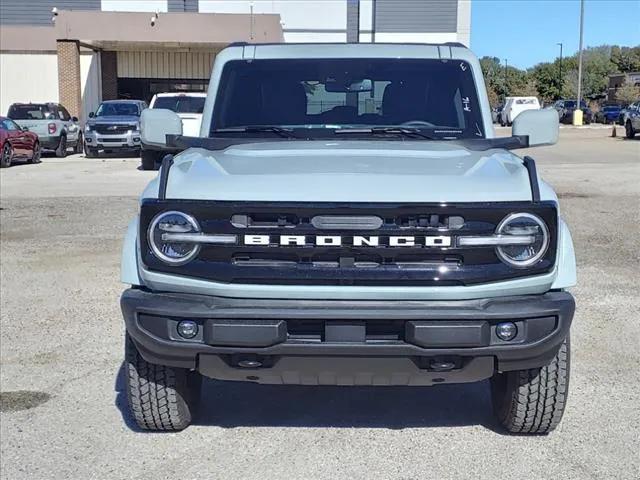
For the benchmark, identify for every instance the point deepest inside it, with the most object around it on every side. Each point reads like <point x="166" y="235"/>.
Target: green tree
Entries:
<point x="626" y="59"/>
<point x="627" y="93"/>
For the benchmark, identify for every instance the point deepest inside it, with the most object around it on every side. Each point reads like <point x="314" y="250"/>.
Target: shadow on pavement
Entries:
<point x="239" y="404"/>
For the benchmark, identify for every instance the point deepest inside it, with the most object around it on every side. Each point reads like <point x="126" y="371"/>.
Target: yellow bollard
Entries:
<point x="577" y="117"/>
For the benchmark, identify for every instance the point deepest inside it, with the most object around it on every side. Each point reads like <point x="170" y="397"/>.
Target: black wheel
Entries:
<point x="533" y="401"/>
<point x="7" y="156"/>
<point x="61" y="151"/>
<point x="149" y="159"/>
<point x="160" y="398"/>
<point x="90" y="152"/>
<point x="79" y="144"/>
<point x="35" y="157"/>
<point x="628" y="130"/>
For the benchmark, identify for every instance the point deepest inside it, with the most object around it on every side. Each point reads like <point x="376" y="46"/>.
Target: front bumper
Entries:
<point x="125" y="141"/>
<point x="347" y="342"/>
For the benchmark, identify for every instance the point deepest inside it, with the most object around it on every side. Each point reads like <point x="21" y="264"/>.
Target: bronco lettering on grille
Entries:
<point x="355" y="241"/>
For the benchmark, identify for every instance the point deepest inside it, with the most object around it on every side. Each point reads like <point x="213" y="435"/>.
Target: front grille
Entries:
<point x="382" y="265"/>
<point x="113" y="129"/>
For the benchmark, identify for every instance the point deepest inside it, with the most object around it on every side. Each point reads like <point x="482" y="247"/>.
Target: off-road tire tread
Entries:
<point x="160" y="397"/>
<point x="535" y="399"/>
<point x="149" y="159"/>
<point x="62" y="152"/>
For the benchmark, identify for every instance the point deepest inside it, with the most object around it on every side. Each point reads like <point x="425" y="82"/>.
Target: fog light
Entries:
<point x="506" y="331"/>
<point x="88" y="140"/>
<point x="136" y="139"/>
<point x="249" y="364"/>
<point x="187" y="329"/>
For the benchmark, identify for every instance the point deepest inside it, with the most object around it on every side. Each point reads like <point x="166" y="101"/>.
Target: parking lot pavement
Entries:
<point x="61" y="226"/>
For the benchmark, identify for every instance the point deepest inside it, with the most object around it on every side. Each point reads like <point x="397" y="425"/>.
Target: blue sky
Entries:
<point x="526" y="32"/>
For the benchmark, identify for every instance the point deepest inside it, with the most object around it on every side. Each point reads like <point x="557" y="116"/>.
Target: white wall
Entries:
<point x="90" y="78"/>
<point x="33" y="77"/>
<point x="303" y="20"/>
<point x="464" y="22"/>
<point x="27" y="77"/>
<point x="134" y="5"/>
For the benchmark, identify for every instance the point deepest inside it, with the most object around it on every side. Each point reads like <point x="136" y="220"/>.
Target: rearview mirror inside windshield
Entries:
<point x="348" y="86"/>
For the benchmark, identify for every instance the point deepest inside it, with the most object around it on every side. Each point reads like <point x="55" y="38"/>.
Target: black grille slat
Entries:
<point x="113" y="129"/>
<point x="347" y="265"/>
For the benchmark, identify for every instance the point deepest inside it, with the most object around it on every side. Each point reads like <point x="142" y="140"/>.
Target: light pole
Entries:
<point x="506" y="78"/>
<point x="577" y="113"/>
<point x="560" y="81"/>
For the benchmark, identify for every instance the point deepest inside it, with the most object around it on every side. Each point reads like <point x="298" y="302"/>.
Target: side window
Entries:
<point x="10" y="125"/>
<point x="63" y="114"/>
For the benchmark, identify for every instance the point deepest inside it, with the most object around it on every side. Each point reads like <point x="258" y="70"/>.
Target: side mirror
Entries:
<point x="541" y="126"/>
<point x="156" y="124"/>
<point x="25" y="129"/>
<point x="74" y="119"/>
<point x="91" y="114"/>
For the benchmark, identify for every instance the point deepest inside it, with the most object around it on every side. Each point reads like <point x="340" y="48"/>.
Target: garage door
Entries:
<point x="155" y="64"/>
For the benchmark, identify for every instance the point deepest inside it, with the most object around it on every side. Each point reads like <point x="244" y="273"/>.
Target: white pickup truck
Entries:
<point x="57" y="130"/>
<point x="347" y="216"/>
<point x="188" y="106"/>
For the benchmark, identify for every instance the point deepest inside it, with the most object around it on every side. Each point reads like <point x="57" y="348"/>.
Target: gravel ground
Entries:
<point x="63" y="405"/>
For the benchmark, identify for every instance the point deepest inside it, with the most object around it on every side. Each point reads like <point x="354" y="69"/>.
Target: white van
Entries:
<point x="514" y="106"/>
<point x="188" y="106"/>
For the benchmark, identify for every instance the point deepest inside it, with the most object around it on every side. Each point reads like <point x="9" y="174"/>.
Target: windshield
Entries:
<point x="572" y="104"/>
<point x="30" y="112"/>
<point x="330" y="94"/>
<point x="181" y="103"/>
<point x="115" y="109"/>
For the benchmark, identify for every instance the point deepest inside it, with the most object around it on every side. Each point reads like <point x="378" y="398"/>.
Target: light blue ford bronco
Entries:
<point x="347" y="216"/>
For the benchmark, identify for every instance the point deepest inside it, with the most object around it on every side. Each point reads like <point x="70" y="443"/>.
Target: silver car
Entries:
<point x="114" y="126"/>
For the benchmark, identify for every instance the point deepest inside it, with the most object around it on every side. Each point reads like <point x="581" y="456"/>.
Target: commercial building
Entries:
<point x="79" y="52"/>
<point x="618" y="80"/>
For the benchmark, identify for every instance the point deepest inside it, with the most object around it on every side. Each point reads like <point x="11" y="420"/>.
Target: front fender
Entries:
<point x="129" y="263"/>
<point x="566" y="275"/>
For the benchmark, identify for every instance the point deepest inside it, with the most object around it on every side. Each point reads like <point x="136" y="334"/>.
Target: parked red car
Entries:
<point x="17" y="144"/>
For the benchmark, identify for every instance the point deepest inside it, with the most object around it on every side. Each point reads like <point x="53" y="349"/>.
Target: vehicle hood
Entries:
<point x="111" y="119"/>
<point x="348" y="171"/>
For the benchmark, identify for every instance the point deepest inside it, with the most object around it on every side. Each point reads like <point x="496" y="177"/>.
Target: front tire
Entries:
<point x="79" y="144"/>
<point x="149" y="159"/>
<point x="533" y="401"/>
<point x="161" y="398"/>
<point x="90" y="152"/>
<point x="61" y="151"/>
<point x="628" y="130"/>
<point x="6" y="157"/>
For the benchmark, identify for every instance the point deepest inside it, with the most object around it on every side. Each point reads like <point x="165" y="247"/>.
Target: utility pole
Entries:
<point x="373" y="21"/>
<point x="251" y="26"/>
<point x="560" y="80"/>
<point x="577" y="115"/>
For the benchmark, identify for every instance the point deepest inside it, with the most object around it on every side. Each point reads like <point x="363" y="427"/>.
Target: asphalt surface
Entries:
<point x="64" y="411"/>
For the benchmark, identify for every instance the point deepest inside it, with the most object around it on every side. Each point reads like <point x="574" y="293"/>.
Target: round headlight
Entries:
<point x="164" y="237"/>
<point x="523" y="225"/>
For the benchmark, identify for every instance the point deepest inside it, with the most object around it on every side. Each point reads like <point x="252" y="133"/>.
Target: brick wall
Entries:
<point x="109" y="69"/>
<point x="69" y="85"/>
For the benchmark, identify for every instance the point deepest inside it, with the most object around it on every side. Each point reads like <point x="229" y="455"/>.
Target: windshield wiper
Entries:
<point x="404" y="131"/>
<point x="283" y="132"/>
